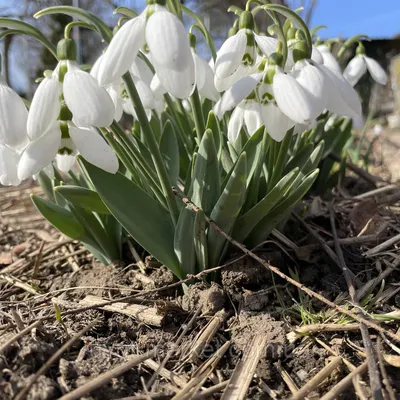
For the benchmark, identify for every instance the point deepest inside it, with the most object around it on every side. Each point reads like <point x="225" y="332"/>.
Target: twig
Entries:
<point x="317" y="379"/>
<point x="38" y="260"/>
<point x="383" y="246"/>
<point x="376" y="386"/>
<point x="285" y="277"/>
<point x="345" y="382"/>
<point x="106" y="377"/>
<point x="178" y="380"/>
<point x="54" y="358"/>
<point x="374" y="192"/>
<point x="299" y="332"/>
<point x="385" y="377"/>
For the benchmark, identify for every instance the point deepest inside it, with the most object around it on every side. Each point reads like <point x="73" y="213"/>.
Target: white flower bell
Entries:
<point x="359" y="65"/>
<point x="329" y="59"/>
<point x="239" y="53"/>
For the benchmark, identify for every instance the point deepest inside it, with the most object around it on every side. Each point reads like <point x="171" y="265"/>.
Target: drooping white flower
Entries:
<point x="302" y="93"/>
<point x="328" y="58"/>
<point x="247" y="114"/>
<point x="64" y="138"/>
<point x="122" y="50"/>
<point x="342" y="100"/>
<point x="239" y="53"/>
<point x="359" y="65"/>
<point x="45" y="105"/>
<point x="89" y="103"/>
<point x="13" y="117"/>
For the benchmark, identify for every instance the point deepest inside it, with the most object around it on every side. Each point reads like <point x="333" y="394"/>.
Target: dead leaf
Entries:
<point x="362" y="214"/>
<point x="6" y="258"/>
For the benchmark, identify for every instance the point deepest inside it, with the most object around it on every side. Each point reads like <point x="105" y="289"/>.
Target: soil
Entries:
<point x="246" y="301"/>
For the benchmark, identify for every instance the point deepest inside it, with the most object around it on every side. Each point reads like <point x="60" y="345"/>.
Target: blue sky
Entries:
<point x="345" y="18"/>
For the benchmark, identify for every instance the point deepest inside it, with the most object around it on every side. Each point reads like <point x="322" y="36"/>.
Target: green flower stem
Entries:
<point x="197" y="114"/>
<point x="280" y="153"/>
<point x="349" y="42"/>
<point x="83" y="24"/>
<point x="153" y="147"/>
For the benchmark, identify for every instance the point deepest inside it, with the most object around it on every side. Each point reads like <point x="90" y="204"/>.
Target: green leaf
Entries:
<point x="280" y="211"/>
<point x="59" y="217"/>
<point x="205" y="189"/>
<point x="200" y="240"/>
<point x="47" y="185"/>
<point x="148" y="222"/>
<point x="213" y="124"/>
<point x="170" y="152"/>
<point x="227" y="209"/>
<point x="184" y="241"/>
<point x="102" y="29"/>
<point x="82" y="197"/>
<point x="248" y="221"/>
<point x="127" y="12"/>
<point x="300" y="158"/>
<point x="29" y="30"/>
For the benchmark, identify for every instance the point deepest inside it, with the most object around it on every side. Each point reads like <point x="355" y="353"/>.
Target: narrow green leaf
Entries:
<point x="148" y="222"/>
<point x="300" y="158"/>
<point x="29" y="30"/>
<point x="213" y="124"/>
<point x="200" y="240"/>
<point x="248" y="221"/>
<point x="227" y="209"/>
<point x="46" y="184"/>
<point x="59" y="217"/>
<point x="206" y="186"/>
<point x="170" y="151"/>
<point x="184" y="241"/>
<point x="280" y="211"/>
<point x="82" y="197"/>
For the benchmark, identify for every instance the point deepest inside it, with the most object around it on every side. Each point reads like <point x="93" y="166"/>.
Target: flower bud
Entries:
<point x="192" y="40"/>
<point x="66" y="50"/>
<point x="360" y="49"/>
<point x="291" y="34"/>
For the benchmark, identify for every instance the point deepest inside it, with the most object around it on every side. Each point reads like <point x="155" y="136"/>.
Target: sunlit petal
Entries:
<point x="377" y="72"/>
<point x="355" y="69"/>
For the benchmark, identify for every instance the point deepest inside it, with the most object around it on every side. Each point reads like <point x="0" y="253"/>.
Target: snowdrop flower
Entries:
<point x="65" y="139"/>
<point x="9" y="159"/>
<point x="247" y="114"/>
<point x="329" y="59"/>
<point x="167" y="42"/>
<point x="302" y="93"/>
<point x="239" y="53"/>
<point x="359" y="65"/>
<point x="13" y="117"/>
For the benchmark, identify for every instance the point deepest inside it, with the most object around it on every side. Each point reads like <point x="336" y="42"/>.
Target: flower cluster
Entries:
<point x="240" y="134"/>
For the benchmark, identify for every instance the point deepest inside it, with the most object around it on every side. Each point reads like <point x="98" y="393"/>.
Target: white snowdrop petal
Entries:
<point x="343" y="99"/>
<point x="94" y="148"/>
<point x="40" y="153"/>
<point x="205" y="79"/>
<point x="178" y="83"/>
<point x="13" y="117"/>
<point x="115" y="93"/>
<point x="266" y="44"/>
<point x="230" y="55"/>
<point x="8" y="166"/>
<point x="96" y="67"/>
<point x="235" y="124"/>
<point x="145" y="94"/>
<point x="252" y="116"/>
<point x="45" y="107"/>
<point x="293" y="99"/>
<point x="239" y="91"/>
<point x="377" y="72"/>
<point x="157" y="88"/>
<point x="355" y="69"/>
<point x="140" y="69"/>
<point x="122" y="50"/>
<point x="167" y="40"/>
<point x="65" y="162"/>
<point x="275" y="121"/>
<point x="223" y="84"/>
<point x="316" y="56"/>
<point x="329" y="59"/>
<point x="89" y="103"/>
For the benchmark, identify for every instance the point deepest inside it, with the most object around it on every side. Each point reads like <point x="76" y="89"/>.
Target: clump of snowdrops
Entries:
<point x="241" y="135"/>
